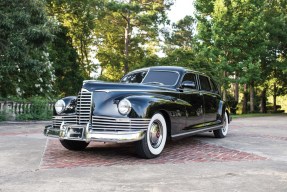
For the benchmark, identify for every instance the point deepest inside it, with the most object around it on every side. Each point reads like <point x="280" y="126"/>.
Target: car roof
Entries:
<point x="169" y="68"/>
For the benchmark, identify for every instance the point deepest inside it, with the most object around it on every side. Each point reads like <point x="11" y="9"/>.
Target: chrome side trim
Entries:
<point x="134" y="90"/>
<point x="193" y="132"/>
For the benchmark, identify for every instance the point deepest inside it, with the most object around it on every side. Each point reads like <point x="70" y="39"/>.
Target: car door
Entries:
<point x="211" y="100"/>
<point x="194" y="109"/>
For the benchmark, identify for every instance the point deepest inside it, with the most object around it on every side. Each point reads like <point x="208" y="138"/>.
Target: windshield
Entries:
<point x="136" y="77"/>
<point x="152" y="77"/>
<point x="161" y="78"/>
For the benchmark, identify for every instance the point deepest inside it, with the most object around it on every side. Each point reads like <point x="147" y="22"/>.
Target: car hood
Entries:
<point x="108" y="86"/>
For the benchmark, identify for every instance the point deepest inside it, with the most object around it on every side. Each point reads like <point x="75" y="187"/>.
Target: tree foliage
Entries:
<point x="68" y="78"/>
<point x="24" y="31"/>
<point x="244" y="38"/>
<point x="79" y="18"/>
<point x="127" y="33"/>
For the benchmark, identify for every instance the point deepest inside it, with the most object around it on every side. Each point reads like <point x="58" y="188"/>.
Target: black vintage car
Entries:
<point x="147" y="106"/>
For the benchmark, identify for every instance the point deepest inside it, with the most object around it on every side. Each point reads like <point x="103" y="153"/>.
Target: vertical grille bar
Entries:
<point x="84" y="106"/>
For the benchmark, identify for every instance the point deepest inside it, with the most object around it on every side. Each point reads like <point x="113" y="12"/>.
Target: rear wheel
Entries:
<point x="154" y="140"/>
<point x="221" y="133"/>
<point x="74" y="145"/>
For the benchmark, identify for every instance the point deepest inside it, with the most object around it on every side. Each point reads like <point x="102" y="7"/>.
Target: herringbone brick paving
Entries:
<point x="99" y="154"/>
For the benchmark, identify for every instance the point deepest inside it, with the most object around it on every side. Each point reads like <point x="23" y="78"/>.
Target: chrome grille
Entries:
<point x="83" y="109"/>
<point x="57" y="120"/>
<point x="101" y="123"/>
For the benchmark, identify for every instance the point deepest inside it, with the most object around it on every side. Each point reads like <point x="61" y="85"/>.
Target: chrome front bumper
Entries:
<point x="84" y="133"/>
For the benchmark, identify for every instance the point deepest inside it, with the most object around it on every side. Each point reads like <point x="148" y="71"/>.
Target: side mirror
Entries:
<point x="188" y="84"/>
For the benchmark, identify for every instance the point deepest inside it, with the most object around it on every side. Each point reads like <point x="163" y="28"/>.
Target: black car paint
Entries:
<point x="185" y="109"/>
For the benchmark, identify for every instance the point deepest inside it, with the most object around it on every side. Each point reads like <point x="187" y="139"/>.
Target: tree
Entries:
<point x="127" y="33"/>
<point x="68" y="79"/>
<point x="25" y="32"/>
<point x="79" y="18"/>
<point x="237" y="37"/>
<point x="274" y="62"/>
<point x="181" y="48"/>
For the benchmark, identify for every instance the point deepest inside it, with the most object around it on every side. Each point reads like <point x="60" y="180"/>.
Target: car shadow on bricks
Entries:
<point x="100" y="154"/>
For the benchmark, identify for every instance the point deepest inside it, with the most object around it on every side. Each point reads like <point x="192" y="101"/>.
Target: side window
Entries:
<point x="204" y="83"/>
<point x="214" y="86"/>
<point x="190" y="77"/>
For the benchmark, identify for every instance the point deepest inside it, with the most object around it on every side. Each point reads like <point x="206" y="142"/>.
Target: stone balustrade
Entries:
<point x="12" y="109"/>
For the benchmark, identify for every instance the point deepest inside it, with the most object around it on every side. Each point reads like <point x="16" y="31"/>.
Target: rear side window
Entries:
<point x="214" y="87"/>
<point x="190" y="77"/>
<point x="204" y="83"/>
<point x="134" y="77"/>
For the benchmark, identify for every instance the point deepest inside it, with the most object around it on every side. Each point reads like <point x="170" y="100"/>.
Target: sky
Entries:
<point x="180" y="9"/>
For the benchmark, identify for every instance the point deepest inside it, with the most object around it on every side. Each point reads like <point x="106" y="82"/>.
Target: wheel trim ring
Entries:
<point x="158" y="150"/>
<point x="225" y="125"/>
<point x="156" y="134"/>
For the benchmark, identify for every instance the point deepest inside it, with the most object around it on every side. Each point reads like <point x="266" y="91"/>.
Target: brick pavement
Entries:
<point x="99" y="154"/>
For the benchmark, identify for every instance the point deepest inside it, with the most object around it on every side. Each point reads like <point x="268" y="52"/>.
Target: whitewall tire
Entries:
<point x="221" y="133"/>
<point x="154" y="140"/>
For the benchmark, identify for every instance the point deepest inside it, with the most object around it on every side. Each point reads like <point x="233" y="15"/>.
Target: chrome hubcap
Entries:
<point x="156" y="134"/>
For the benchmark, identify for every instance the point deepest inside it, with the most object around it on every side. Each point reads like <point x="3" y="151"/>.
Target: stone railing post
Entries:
<point x="2" y="106"/>
<point x="9" y="111"/>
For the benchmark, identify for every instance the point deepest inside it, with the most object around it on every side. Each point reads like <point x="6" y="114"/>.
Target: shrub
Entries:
<point x="3" y="116"/>
<point x="39" y="110"/>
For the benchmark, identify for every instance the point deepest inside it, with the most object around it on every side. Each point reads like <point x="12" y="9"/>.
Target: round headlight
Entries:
<point x="124" y="106"/>
<point x="60" y="106"/>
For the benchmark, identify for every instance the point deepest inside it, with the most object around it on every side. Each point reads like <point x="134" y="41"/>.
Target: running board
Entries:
<point x="193" y="132"/>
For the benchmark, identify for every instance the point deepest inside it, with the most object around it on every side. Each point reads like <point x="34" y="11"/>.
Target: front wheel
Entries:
<point x="154" y="140"/>
<point x="74" y="145"/>
<point x="221" y="133"/>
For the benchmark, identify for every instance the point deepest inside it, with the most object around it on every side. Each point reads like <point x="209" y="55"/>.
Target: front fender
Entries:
<point x="146" y="106"/>
<point x="143" y="105"/>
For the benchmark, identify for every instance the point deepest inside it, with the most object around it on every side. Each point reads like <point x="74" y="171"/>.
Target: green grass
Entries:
<point x="258" y="115"/>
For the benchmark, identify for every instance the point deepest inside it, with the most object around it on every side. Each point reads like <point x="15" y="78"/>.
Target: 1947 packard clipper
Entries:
<point x="147" y="106"/>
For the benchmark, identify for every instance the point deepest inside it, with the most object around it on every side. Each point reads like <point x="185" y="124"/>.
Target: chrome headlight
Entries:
<point x="124" y="106"/>
<point x="60" y="106"/>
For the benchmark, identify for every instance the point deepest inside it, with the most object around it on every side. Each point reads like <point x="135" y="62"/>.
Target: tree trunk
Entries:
<point x="236" y="92"/>
<point x="88" y="66"/>
<point x="224" y="94"/>
<point x="251" y="97"/>
<point x="274" y="98"/>
<point x="263" y="101"/>
<point x="224" y="90"/>
<point x="127" y="43"/>
<point x="244" y="103"/>
<point x="236" y="89"/>
<point x="82" y="54"/>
